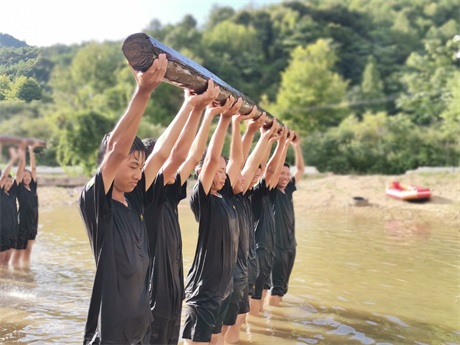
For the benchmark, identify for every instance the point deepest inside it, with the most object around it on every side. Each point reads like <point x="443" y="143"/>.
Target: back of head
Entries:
<point x="149" y="144"/>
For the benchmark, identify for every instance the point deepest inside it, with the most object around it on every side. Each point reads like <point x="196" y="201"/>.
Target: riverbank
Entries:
<point x="331" y="193"/>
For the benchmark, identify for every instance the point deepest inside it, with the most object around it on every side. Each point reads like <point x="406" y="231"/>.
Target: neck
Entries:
<point x="119" y="196"/>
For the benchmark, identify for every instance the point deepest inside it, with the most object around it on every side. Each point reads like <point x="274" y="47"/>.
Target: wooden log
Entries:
<point x="141" y="50"/>
<point x="16" y="140"/>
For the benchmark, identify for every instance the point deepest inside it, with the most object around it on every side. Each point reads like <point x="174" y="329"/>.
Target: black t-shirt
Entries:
<point x="211" y="274"/>
<point x="284" y="218"/>
<point x="28" y="208"/>
<point x="119" y="241"/>
<point x="247" y="199"/>
<point x="243" y="209"/>
<point x="264" y="221"/>
<point x="162" y="222"/>
<point x="9" y="212"/>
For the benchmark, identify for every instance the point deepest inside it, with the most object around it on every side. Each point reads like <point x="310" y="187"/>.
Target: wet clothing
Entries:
<point x="285" y="243"/>
<point x="9" y="220"/>
<point x="28" y="213"/>
<point x="253" y="261"/>
<point x="240" y="273"/>
<point x="119" y="241"/>
<point x="210" y="279"/>
<point x="264" y="224"/>
<point x="165" y="241"/>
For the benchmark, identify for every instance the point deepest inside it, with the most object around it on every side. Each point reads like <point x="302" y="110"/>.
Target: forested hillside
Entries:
<point x="372" y="86"/>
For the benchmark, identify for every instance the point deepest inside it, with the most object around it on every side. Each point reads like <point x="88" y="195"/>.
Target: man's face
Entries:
<point x="220" y="176"/>
<point x="130" y="172"/>
<point x="8" y="184"/>
<point x="27" y="178"/>
<point x="284" y="178"/>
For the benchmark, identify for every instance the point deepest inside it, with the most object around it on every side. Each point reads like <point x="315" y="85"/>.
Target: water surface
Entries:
<point x="355" y="281"/>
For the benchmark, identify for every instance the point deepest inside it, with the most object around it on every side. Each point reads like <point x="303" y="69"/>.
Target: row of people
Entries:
<point x="18" y="209"/>
<point x="130" y="209"/>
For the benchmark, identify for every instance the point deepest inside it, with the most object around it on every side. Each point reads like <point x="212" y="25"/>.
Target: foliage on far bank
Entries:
<point x="372" y="86"/>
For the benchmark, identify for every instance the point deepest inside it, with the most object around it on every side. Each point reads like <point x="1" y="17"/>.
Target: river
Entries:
<point x="355" y="281"/>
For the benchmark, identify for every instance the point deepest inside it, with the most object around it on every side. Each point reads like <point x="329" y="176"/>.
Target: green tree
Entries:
<point x="311" y="92"/>
<point x="5" y="86"/>
<point x="25" y="89"/>
<point x="78" y="146"/>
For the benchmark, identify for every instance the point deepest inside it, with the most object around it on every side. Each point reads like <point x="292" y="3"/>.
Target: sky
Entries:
<point x="47" y="22"/>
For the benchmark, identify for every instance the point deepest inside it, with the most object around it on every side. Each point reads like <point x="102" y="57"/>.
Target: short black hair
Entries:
<point x="137" y="145"/>
<point x="286" y="165"/>
<point x="149" y="144"/>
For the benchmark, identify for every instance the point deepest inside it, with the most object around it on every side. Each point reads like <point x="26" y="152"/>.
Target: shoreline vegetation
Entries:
<point x="326" y="192"/>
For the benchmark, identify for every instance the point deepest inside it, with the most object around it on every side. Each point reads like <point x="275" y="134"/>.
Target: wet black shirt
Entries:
<point x="9" y="212"/>
<point x="28" y="208"/>
<point x="243" y="209"/>
<point x="162" y="221"/>
<point x="211" y="273"/>
<point x="247" y="199"/>
<point x="264" y="221"/>
<point x="284" y="218"/>
<point x="119" y="241"/>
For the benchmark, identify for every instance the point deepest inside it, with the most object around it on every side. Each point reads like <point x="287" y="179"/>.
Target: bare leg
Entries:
<point x="15" y="258"/>
<point x="262" y="303"/>
<point x="254" y="307"/>
<point x="189" y="342"/>
<point x="274" y="300"/>
<point x="217" y="339"/>
<point x="232" y="334"/>
<point x="3" y="261"/>
<point x="6" y="257"/>
<point x="26" y="254"/>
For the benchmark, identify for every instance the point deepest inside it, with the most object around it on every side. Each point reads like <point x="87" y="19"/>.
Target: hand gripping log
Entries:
<point x="141" y="50"/>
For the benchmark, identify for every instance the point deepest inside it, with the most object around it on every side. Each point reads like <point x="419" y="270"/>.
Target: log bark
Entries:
<point x="16" y="140"/>
<point x="141" y="50"/>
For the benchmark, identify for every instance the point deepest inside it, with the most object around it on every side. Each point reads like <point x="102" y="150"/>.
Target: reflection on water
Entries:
<point x="355" y="281"/>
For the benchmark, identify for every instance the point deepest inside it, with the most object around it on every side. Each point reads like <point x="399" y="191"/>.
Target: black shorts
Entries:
<point x="204" y="318"/>
<point x="281" y="271"/>
<point x="21" y="242"/>
<point x="164" y="331"/>
<point x="265" y="266"/>
<point x="238" y="301"/>
<point x="253" y="265"/>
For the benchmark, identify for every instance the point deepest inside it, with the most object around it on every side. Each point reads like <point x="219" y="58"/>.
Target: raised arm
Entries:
<point x="236" y="158"/>
<point x="33" y="166"/>
<point x="121" y="138"/>
<point x="22" y="164"/>
<point x="182" y="146"/>
<point x="299" y="162"/>
<point x="272" y="165"/>
<point x="199" y="143"/>
<point x="282" y="158"/>
<point x="251" y="129"/>
<point x="213" y="154"/>
<point x="257" y="155"/>
<point x="13" y="158"/>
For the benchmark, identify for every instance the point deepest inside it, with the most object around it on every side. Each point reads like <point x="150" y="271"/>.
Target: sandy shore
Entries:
<point x="334" y="193"/>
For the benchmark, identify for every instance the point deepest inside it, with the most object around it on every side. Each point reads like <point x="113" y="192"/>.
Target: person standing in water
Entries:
<point x="209" y="281"/>
<point x="28" y="213"/>
<point x="9" y="191"/>
<point x="112" y="207"/>
<point x="162" y="218"/>
<point x="285" y="243"/>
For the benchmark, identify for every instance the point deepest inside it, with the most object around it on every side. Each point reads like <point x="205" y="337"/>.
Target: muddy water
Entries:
<point x="355" y="281"/>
